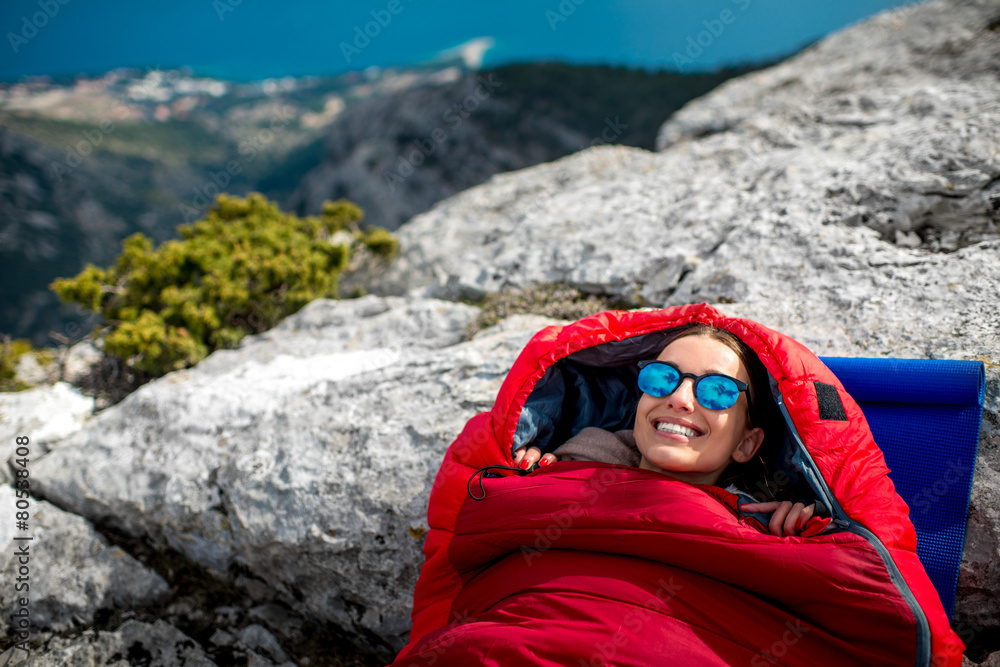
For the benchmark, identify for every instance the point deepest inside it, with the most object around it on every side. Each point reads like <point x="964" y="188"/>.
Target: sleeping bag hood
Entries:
<point x="587" y="563"/>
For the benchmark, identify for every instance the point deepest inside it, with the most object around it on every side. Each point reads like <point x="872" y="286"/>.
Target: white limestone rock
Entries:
<point x="299" y="465"/>
<point x="44" y="415"/>
<point x="32" y="373"/>
<point x="79" y="361"/>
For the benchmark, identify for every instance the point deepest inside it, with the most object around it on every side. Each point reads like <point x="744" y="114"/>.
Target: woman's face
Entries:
<point x="679" y="437"/>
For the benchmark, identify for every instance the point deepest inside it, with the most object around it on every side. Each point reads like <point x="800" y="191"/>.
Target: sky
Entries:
<point x="259" y="39"/>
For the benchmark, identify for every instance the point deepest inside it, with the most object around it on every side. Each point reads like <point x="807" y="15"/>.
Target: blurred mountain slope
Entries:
<point x="86" y="162"/>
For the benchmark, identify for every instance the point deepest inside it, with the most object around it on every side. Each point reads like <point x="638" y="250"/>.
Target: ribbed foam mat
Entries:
<point x="925" y="416"/>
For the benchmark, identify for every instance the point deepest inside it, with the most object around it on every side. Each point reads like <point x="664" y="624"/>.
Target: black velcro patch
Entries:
<point x="830" y="407"/>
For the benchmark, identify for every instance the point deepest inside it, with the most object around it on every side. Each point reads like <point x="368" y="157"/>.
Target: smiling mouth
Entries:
<point x="670" y="427"/>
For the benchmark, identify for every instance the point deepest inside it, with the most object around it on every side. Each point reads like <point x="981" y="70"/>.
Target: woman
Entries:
<point x="591" y="563"/>
<point x="678" y="435"/>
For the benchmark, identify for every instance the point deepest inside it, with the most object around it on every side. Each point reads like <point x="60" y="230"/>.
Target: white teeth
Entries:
<point x="667" y="427"/>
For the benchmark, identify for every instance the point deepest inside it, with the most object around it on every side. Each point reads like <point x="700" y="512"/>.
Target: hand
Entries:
<point x="528" y="456"/>
<point x="787" y="520"/>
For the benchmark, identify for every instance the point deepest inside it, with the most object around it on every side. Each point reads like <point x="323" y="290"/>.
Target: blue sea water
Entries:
<point x="257" y="39"/>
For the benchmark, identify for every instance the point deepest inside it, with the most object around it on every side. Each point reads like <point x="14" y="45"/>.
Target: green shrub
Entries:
<point x="381" y="242"/>
<point x="10" y="351"/>
<point x="238" y="271"/>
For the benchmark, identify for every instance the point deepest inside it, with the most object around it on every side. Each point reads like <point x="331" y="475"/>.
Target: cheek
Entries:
<point x="732" y="427"/>
<point x="739" y="421"/>
<point x="646" y="403"/>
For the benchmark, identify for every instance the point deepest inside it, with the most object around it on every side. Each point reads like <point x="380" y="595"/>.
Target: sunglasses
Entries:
<point x="713" y="390"/>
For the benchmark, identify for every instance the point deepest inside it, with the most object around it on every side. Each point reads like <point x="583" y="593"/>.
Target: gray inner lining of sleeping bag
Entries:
<point x="592" y="387"/>
<point x="596" y="386"/>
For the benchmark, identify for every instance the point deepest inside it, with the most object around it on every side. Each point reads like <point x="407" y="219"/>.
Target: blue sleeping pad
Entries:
<point x="925" y="416"/>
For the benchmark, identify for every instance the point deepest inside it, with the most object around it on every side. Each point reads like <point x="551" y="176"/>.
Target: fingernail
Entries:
<point x="524" y="463"/>
<point x="543" y="462"/>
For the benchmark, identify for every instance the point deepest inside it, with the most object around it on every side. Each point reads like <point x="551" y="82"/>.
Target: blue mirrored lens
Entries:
<point x="717" y="393"/>
<point x="659" y="380"/>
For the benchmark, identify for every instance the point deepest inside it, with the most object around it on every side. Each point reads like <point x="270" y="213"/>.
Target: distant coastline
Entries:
<point x="260" y="41"/>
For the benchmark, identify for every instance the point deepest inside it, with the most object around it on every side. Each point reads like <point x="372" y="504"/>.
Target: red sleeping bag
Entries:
<point x="585" y="563"/>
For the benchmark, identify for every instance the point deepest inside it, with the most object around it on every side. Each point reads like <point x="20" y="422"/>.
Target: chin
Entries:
<point x="660" y="465"/>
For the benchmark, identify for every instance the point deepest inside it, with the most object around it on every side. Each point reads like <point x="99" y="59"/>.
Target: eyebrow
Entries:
<point x="709" y="372"/>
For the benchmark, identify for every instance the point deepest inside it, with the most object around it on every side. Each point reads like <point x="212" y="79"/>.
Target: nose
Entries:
<point x="682" y="399"/>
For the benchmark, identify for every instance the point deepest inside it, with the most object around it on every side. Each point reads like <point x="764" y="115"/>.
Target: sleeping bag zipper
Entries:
<point x="807" y="466"/>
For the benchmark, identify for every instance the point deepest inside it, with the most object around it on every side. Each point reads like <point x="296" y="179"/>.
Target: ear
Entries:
<point x="749" y="445"/>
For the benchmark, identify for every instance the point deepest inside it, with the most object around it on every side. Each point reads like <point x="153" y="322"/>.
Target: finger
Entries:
<point x="802" y="515"/>
<point x="778" y="518"/>
<point x="769" y="506"/>
<point x="531" y="456"/>
<point x="806" y="515"/>
<point x="547" y="459"/>
<point x="791" y="525"/>
<point x="524" y="452"/>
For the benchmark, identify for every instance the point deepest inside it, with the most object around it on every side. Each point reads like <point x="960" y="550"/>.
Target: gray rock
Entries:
<point x="258" y="639"/>
<point x="45" y="414"/>
<point x="978" y="597"/>
<point x="72" y="572"/>
<point x="306" y="476"/>
<point x="32" y="373"/>
<point x="357" y="324"/>
<point x="552" y="223"/>
<point x="79" y="361"/>
<point x="254" y="644"/>
<point x="222" y="638"/>
<point x="992" y="660"/>
<point x="133" y="643"/>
